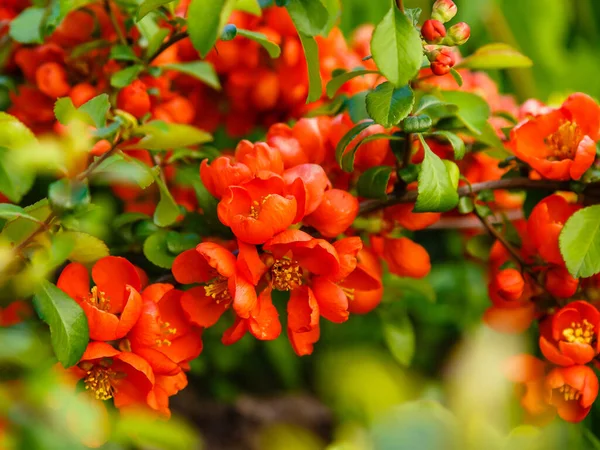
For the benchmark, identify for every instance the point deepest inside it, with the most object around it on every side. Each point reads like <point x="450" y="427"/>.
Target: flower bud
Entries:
<point x="560" y="283"/>
<point x="509" y="284"/>
<point x="443" y="10"/>
<point x="439" y="68"/>
<point x="458" y="34"/>
<point x="433" y="31"/>
<point x="442" y="60"/>
<point x="134" y="99"/>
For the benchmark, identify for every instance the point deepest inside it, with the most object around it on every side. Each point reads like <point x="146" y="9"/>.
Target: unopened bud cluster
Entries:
<point x="439" y="38"/>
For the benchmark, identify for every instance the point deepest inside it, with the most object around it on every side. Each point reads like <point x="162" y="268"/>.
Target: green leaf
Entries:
<point x="126" y="76"/>
<point x="26" y="28"/>
<point x="479" y="246"/>
<point x="159" y="135"/>
<point x="65" y="112"/>
<point x="87" y="248"/>
<point x="340" y="150"/>
<point x="10" y="212"/>
<point x="97" y="109"/>
<point x="405" y="289"/>
<point x="457" y="77"/>
<point x="68" y="325"/>
<point x="57" y="11"/>
<point x="148" y="6"/>
<point x="473" y="111"/>
<point x="495" y="56"/>
<point x="271" y="47"/>
<point x="123" y="53"/>
<point x="156" y="250"/>
<point x="309" y="16"/>
<point x="167" y="211"/>
<point x="374" y="181"/>
<point x="201" y="70"/>
<point x="18" y="230"/>
<point x="117" y="169"/>
<point x="435" y="190"/>
<point x="14" y="182"/>
<point x="68" y="195"/>
<point x="580" y="242"/>
<point x="357" y="107"/>
<point x="396" y="48"/>
<point x="435" y="108"/>
<point x="338" y="81"/>
<point x="129" y="218"/>
<point x="156" y="41"/>
<point x="417" y="124"/>
<point x="249" y="6"/>
<point x="457" y="143"/>
<point x="399" y="336"/>
<point x="387" y="105"/>
<point x="206" y="19"/>
<point x="13" y="133"/>
<point x="180" y="242"/>
<point x="311" y="53"/>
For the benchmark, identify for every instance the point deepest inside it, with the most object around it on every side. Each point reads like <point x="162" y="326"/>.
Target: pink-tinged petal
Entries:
<point x="585" y="112"/>
<point x="314" y="180"/>
<point x="584" y="157"/>
<point x="347" y="249"/>
<point x="154" y="292"/>
<point x="317" y="255"/>
<point x="297" y="189"/>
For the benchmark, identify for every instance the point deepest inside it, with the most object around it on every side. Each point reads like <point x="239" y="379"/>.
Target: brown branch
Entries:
<point x="165" y="45"/>
<point x="94" y="165"/>
<point x="500" y="237"/>
<point x="368" y="206"/>
<point x="400" y="5"/>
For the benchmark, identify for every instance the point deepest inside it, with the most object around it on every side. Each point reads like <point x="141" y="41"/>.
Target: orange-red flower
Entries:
<point x="570" y="336"/>
<point x="406" y="218"/>
<point x="572" y="390"/>
<point x="259" y="156"/>
<point x="404" y="257"/>
<point x="561" y="144"/>
<point x="308" y="183"/>
<point x="114" y="304"/>
<point x="165" y="386"/>
<point x="163" y="335"/>
<point x="545" y="224"/>
<point x="560" y="283"/>
<point x="366" y="300"/>
<point x="258" y="210"/>
<point x="303" y="320"/>
<point x="528" y="371"/>
<point x="110" y="373"/>
<point x="222" y="173"/>
<point x="510" y="320"/>
<point x="303" y="143"/>
<point x="335" y="213"/>
<point x="215" y="267"/>
<point x="15" y="313"/>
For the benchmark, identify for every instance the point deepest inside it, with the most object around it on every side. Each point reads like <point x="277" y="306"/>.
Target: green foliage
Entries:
<point x="201" y="70"/>
<point x="67" y="322"/>
<point x="436" y="189"/>
<point x="346" y="158"/>
<point x="374" y="181"/>
<point x="311" y="53"/>
<point x="473" y="110"/>
<point x="123" y="53"/>
<point x="26" y="28"/>
<point x="338" y="81"/>
<point x="396" y="48"/>
<point x="495" y="56"/>
<point x="147" y="6"/>
<point x="417" y="124"/>
<point x="388" y="105"/>
<point x="68" y="195"/>
<point x="125" y="77"/>
<point x="458" y="145"/>
<point x="399" y="334"/>
<point x="159" y="135"/>
<point x="86" y="248"/>
<point x="167" y="209"/>
<point x="157" y="251"/>
<point x="11" y="212"/>
<point x="271" y="48"/>
<point x="309" y="16"/>
<point x="206" y="19"/>
<point x="580" y="242"/>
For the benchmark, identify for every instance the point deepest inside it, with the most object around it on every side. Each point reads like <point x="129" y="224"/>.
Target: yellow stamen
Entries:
<point x="286" y="274"/>
<point x="166" y="332"/>
<point x="564" y="141"/>
<point x="255" y="207"/>
<point x="583" y="334"/>
<point x="569" y="392"/>
<point x="98" y="299"/>
<point x="98" y="380"/>
<point x="349" y="292"/>
<point x="217" y="289"/>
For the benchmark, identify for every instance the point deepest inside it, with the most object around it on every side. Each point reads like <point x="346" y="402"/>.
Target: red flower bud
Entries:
<point x="560" y="283"/>
<point x="443" y="10"/>
<point x="51" y="79"/>
<point x="439" y="69"/>
<point x="509" y="284"/>
<point x="458" y="34"/>
<point x="134" y="99"/>
<point x="433" y="31"/>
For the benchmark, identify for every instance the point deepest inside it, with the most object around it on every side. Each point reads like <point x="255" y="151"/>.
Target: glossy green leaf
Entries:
<point x="249" y="6"/>
<point x="457" y="77"/>
<point x="435" y="108"/>
<point x="122" y="53"/>
<point x="180" y="242"/>
<point x="167" y="211"/>
<point x="311" y="53"/>
<point x="156" y="40"/>
<point x="18" y="230"/>
<point x="159" y="135"/>
<point x="338" y="81"/>
<point x="357" y="107"/>
<point x="580" y="242"/>
<point x="206" y="19"/>
<point x="156" y="250"/>
<point x="417" y="124"/>
<point x="201" y="70"/>
<point x="387" y="105"/>
<point x="14" y="182"/>
<point x="309" y="16"/>
<point x="340" y="150"/>
<point x="97" y="108"/>
<point x="374" y="181"/>
<point x="148" y="6"/>
<point x="68" y="325"/>
<point x="68" y="195"/>
<point x="26" y="28"/>
<point x="271" y="47"/>
<point x="436" y="192"/>
<point x="13" y="133"/>
<point x="86" y="248"/>
<point x="125" y="76"/>
<point x="473" y="110"/>
<point x="457" y="143"/>
<point x="396" y="48"/>
<point x="9" y="211"/>
<point x="495" y="56"/>
<point x="117" y="169"/>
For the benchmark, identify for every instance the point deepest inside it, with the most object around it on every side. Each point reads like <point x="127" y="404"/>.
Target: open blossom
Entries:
<point x="560" y="144"/>
<point x="114" y="304"/>
<point x="572" y="391"/>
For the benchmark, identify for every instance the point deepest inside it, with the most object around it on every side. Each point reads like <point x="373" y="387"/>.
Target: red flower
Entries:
<point x="570" y="336"/>
<point x="215" y="267"/>
<point x="114" y="304"/>
<point x="510" y="320"/>
<point x="560" y="144"/>
<point x="308" y="183"/>
<point x="365" y="301"/>
<point x="530" y="372"/>
<point x="110" y="373"/>
<point x="405" y="258"/>
<point x="258" y="210"/>
<point x="164" y="387"/>
<point x="303" y="143"/>
<point x="545" y="224"/>
<point x="259" y="157"/>
<point x="15" y="313"/>
<point x="572" y="390"/>
<point x="560" y="283"/>
<point x="222" y="173"/>
<point x="335" y="213"/>
<point x="406" y="218"/>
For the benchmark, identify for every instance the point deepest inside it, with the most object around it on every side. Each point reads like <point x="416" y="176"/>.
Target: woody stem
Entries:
<point x="400" y="5"/>
<point x="394" y="198"/>
<point x="165" y="45"/>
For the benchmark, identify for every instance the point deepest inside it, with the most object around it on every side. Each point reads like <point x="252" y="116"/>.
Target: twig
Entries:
<point x="43" y="227"/>
<point x="500" y="237"/>
<point x="368" y="206"/>
<point x="114" y="22"/>
<point x="165" y="45"/>
<point x="87" y="172"/>
<point x="400" y="5"/>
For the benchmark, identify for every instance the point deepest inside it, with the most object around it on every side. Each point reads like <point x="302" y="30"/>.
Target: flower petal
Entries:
<point x="111" y="274"/>
<point x="201" y="309"/>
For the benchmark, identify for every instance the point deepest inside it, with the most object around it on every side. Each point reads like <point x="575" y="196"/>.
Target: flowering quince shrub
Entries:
<point x="337" y="152"/>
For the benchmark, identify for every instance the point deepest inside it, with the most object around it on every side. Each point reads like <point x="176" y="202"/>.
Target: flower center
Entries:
<point x="349" y="292"/>
<point x="256" y="205"/>
<point x="166" y="332"/>
<point x="569" y="392"/>
<point x="98" y="299"/>
<point x="286" y="274"/>
<point x="98" y="380"/>
<point x="217" y="289"/>
<point x="564" y="141"/>
<point x="581" y="333"/>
